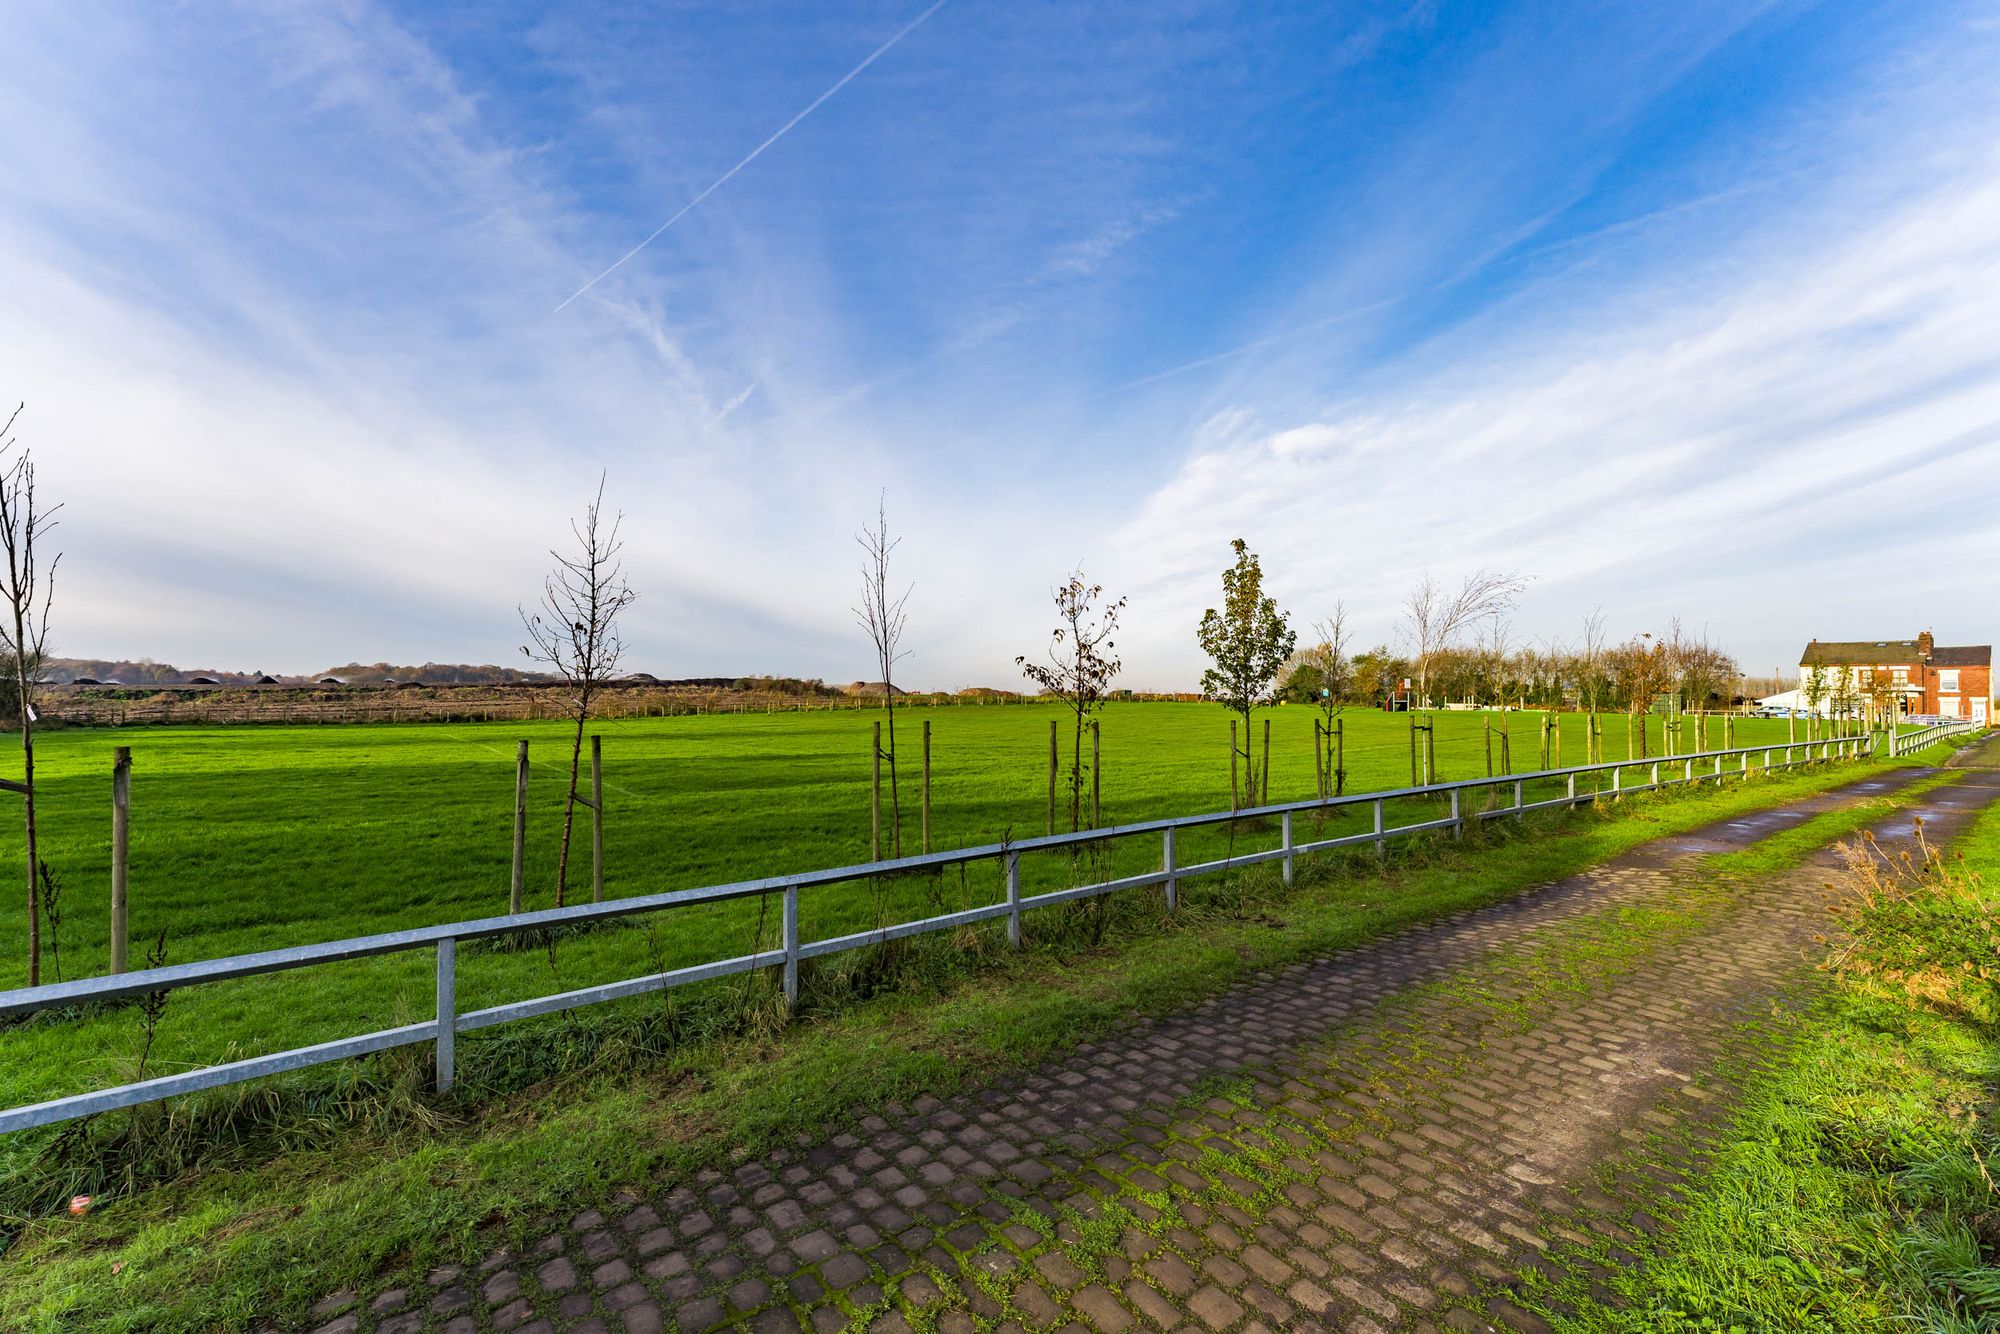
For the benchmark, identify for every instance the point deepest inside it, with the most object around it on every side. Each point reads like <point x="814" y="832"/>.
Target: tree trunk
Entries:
<point x="28" y="808"/>
<point x="569" y="801"/>
<point x="895" y="798"/>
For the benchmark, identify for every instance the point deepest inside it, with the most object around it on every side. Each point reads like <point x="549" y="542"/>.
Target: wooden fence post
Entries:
<point x="1506" y="747"/>
<point x="875" y="802"/>
<point x="520" y="826"/>
<point x="1489" y="746"/>
<point x="1052" y="776"/>
<point x="1339" y="755"/>
<point x="1096" y="777"/>
<point x="121" y="828"/>
<point x="1413" y="749"/>
<point x="1266" y="779"/>
<point x="927" y="785"/>
<point x="1235" y="802"/>
<point x="1319" y="764"/>
<point x="596" y="819"/>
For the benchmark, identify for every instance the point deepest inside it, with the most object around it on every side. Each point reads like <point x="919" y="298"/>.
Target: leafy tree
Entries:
<point x="1377" y="673"/>
<point x="1817" y="689"/>
<point x="1248" y="640"/>
<point x="1080" y="668"/>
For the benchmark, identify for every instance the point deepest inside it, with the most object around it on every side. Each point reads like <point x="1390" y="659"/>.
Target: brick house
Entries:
<point x="1922" y="676"/>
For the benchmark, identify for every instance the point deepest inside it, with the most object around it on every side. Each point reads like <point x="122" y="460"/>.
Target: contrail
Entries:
<point x="757" y="152"/>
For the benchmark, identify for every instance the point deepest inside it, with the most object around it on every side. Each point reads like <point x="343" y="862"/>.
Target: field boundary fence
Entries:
<point x="1457" y="805"/>
<point x="1909" y="743"/>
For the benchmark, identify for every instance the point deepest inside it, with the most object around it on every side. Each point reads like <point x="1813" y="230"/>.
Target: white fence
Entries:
<point x="1909" y="743"/>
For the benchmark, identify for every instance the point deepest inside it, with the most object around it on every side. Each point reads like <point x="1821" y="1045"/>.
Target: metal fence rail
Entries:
<point x="1705" y="766"/>
<point x="1909" y="743"/>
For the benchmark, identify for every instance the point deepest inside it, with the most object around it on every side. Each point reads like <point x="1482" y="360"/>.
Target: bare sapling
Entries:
<point x="884" y="618"/>
<point x="1248" y="640"/>
<point x="1330" y="658"/>
<point x="28" y="588"/>
<point x="1435" y="616"/>
<point x="1080" y="670"/>
<point x="574" y="632"/>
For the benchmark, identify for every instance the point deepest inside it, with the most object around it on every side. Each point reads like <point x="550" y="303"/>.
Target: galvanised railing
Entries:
<point x="1909" y="743"/>
<point x="444" y="1029"/>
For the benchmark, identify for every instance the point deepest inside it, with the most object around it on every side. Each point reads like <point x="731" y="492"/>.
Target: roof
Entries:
<point x="1859" y="653"/>
<point x="1891" y="652"/>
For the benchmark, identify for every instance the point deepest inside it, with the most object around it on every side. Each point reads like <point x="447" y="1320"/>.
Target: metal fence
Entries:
<point x="1611" y="781"/>
<point x="1909" y="743"/>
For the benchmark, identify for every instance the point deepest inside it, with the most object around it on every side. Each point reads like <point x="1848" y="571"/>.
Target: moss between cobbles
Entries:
<point x="1848" y="1190"/>
<point x="263" y="1238"/>
<point x="1570" y="959"/>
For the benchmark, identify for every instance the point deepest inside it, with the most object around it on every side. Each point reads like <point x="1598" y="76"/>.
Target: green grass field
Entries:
<point x="249" y="1207"/>
<point x="253" y="838"/>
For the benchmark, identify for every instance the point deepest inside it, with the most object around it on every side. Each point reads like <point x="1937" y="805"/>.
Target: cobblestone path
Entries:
<point x="1376" y="1140"/>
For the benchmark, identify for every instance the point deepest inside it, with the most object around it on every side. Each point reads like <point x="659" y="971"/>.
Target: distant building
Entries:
<point x="1920" y="675"/>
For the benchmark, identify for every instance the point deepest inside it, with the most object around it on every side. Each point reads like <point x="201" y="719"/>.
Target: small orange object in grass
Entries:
<point x="79" y="1205"/>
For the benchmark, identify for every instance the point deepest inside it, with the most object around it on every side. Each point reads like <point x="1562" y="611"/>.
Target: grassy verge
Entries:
<point x="309" y="1206"/>
<point x="1853" y="1191"/>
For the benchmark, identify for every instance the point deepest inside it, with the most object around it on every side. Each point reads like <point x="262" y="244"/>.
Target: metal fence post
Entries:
<point x="1572" y="789"/>
<point x="1520" y="798"/>
<point x="1381" y="840"/>
<point x="1457" y="820"/>
<point x="1285" y="824"/>
<point x="1014" y="899"/>
<point x="447" y="1013"/>
<point x="1656" y="774"/>
<point x="1614" y="782"/>
<point x="1167" y="864"/>
<point x="791" y="926"/>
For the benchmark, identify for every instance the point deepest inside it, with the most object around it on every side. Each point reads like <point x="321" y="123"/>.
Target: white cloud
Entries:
<point x="1785" y="458"/>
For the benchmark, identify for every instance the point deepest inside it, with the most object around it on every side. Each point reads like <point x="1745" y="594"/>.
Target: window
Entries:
<point x="1902" y="675"/>
<point x="1948" y="680"/>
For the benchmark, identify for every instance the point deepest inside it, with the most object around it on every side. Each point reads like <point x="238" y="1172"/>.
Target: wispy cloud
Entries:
<point x="759" y="150"/>
<point x="1111" y="282"/>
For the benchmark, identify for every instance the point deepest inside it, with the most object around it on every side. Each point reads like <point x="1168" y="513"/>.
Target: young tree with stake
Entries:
<point x="575" y="634"/>
<point x="1335" y="669"/>
<point x="28" y="588"/>
<point x="1080" y="669"/>
<point x="882" y="616"/>
<point x="1248" y="640"/>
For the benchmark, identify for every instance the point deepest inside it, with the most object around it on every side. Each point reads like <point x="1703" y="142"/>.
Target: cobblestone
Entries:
<point x="1379" y="1138"/>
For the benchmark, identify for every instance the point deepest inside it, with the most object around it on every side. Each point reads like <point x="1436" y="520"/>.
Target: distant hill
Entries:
<point x="146" y="672"/>
<point x="431" y="674"/>
<point x="143" y="672"/>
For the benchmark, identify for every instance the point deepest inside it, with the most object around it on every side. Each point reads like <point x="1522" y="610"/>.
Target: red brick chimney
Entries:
<point x="1926" y="645"/>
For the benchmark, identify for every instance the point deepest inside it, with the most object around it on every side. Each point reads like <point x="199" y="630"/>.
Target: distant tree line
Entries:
<point x="1585" y="674"/>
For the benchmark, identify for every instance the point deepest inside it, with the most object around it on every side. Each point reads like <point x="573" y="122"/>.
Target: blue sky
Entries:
<point x="1680" y="309"/>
